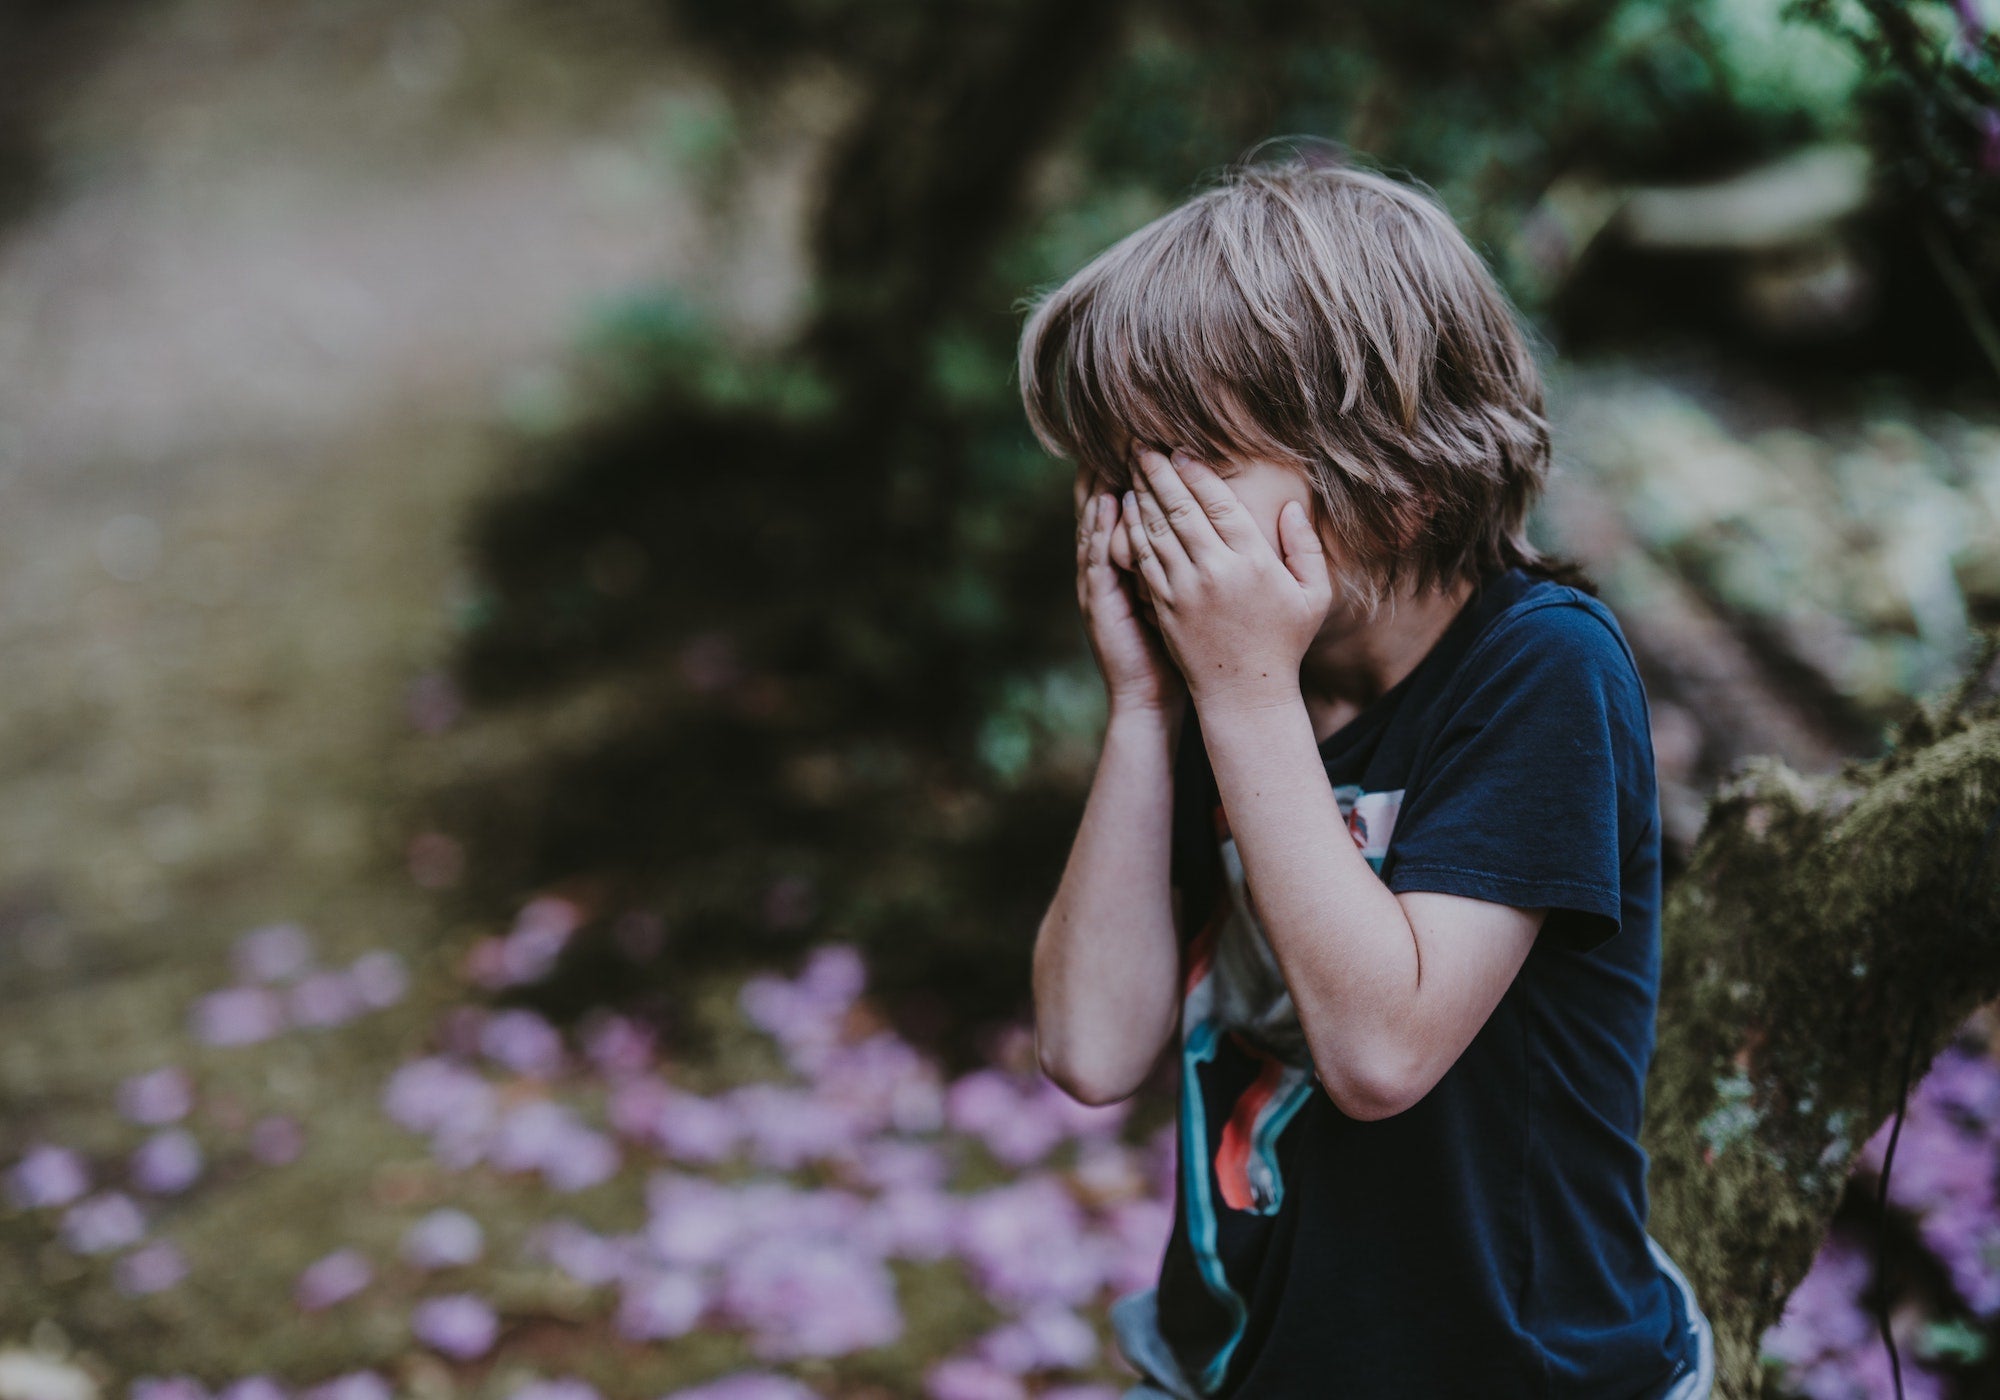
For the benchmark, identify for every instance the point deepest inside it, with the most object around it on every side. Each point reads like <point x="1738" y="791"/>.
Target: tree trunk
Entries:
<point x="1820" y="925"/>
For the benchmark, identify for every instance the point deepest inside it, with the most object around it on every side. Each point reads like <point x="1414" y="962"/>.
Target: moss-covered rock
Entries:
<point x="1823" y="928"/>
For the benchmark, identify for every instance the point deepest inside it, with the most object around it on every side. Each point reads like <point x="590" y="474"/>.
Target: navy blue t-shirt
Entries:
<point x="1490" y="1241"/>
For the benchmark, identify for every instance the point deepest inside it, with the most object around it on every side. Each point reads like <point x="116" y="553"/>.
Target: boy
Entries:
<point x="1374" y="827"/>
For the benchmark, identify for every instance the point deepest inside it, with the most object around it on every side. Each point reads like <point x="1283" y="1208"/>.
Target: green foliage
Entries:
<point x="1932" y="108"/>
<point x="640" y="342"/>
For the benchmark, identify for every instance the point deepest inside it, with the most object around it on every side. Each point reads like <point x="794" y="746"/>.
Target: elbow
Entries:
<point x="1093" y="1091"/>
<point x="1092" y="1095"/>
<point x="1372" y="1096"/>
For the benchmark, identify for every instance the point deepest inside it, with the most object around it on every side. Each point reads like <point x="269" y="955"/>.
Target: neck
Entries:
<point x="1355" y="659"/>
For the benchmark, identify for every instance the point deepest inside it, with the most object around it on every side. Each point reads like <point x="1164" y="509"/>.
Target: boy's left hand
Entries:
<point x="1237" y="618"/>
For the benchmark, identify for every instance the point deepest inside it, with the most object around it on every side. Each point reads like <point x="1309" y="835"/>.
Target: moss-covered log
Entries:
<point x="1820" y="925"/>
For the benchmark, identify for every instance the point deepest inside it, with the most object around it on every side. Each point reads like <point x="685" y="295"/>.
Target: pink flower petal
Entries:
<point x="331" y="1279"/>
<point x="273" y="953"/>
<point x="102" y="1223"/>
<point x="157" y="1097"/>
<point x="969" y="1378"/>
<point x="237" y="1016"/>
<point x="656" y="1304"/>
<point x="150" y="1268"/>
<point x="167" y="1162"/>
<point x="460" y="1325"/>
<point x="444" y="1239"/>
<point x="47" y="1175"/>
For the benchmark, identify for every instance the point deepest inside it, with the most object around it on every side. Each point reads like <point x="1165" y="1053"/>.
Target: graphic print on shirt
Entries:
<point x="1237" y="1009"/>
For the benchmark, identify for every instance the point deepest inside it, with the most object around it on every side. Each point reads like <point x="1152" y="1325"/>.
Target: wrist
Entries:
<point x="1264" y="695"/>
<point x="1148" y="718"/>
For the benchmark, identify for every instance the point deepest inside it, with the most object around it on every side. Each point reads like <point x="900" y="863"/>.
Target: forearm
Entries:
<point x="1341" y="938"/>
<point x="1107" y="959"/>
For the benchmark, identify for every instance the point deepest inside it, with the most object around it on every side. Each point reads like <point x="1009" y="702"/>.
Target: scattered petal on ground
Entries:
<point x="1027" y="1243"/>
<point x="252" y="1388"/>
<point x="811" y="1299"/>
<point x="167" y="1388"/>
<point x="530" y="949"/>
<point x="102" y="1223"/>
<point x="237" y="1016"/>
<point x="354" y="1385"/>
<point x="519" y="1040"/>
<point x="748" y="1385"/>
<point x="559" y="1388"/>
<point x="586" y="1256"/>
<point x="156" y="1098"/>
<point x="447" y="1100"/>
<point x="460" y="1325"/>
<point x="693" y="1129"/>
<point x="167" y="1162"/>
<point x="327" y="998"/>
<point x="333" y="1278"/>
<point x="47" y="1175"/>
<point x="546" y="1136"/>
<point x="970" y="1378"/>
<point x="1042" y="1339"/>
<point x="911" y="1222"/>
<point x="657" y="1303"/>
<point x="446" y="1238"/>
<point x="379" y="978"/>
<point x="801" y="1270"/>
<point x="273" y="953"/>
<point x="617" y="1045"/>
<point x="151" y="1268"/>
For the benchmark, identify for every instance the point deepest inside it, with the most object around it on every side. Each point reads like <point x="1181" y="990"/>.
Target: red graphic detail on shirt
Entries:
<point x="1357" y="827"/>
<point x="1232" y="1158"/>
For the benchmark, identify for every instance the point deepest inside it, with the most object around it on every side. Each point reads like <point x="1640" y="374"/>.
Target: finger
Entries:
<point x="1167" y="542"/>
<point x="1178" y="507"/>
<point x="1219" y="502"/>
<point x="1093" y="550"/>
<point x="1145" y="558"/>
<point x="1305" y="556"/>
<point x="1103" y="516"/>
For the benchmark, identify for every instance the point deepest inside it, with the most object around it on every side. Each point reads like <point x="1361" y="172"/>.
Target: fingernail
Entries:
<point x="1132" y="500"/>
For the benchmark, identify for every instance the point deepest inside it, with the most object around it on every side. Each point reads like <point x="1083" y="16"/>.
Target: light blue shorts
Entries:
<point x="1135" y="1323"/>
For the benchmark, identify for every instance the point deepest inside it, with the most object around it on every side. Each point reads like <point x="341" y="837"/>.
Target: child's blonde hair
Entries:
<point x="1308" y="312"/>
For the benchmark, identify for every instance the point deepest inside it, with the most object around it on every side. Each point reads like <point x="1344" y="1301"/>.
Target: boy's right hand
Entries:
<point x="1138" y="674"/>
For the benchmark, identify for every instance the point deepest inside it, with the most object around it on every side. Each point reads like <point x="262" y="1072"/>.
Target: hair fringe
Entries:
<point x="1307" y="311"/>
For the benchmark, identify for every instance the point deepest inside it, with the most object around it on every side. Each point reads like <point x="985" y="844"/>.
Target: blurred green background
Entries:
<point x="467" y="450"/>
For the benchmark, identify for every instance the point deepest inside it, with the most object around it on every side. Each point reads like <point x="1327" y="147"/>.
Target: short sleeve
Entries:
<point x="1539" y="778"/>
